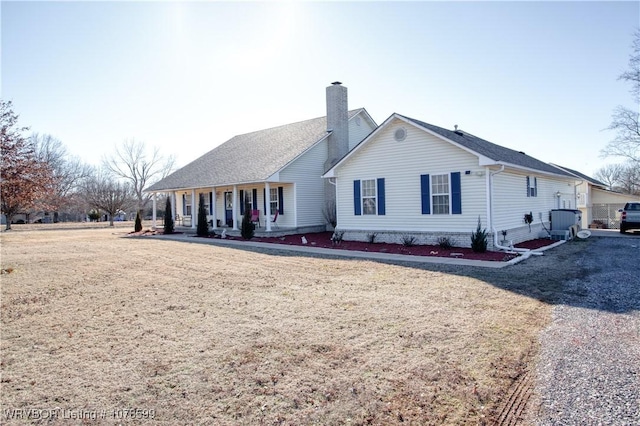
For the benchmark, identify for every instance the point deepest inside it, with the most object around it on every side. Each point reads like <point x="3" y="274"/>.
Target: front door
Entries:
<point x="228" y="208"/>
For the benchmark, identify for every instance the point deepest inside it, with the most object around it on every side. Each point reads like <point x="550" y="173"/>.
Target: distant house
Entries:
<point x="275" y="171"/>
<point x="598" y="204"/>
<point x="411" y="178"/>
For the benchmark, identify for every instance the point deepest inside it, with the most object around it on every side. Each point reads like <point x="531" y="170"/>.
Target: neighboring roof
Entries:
<point x="490" y="150"/>
<point x="252" y="157"/>
<point x="581" y="176"/>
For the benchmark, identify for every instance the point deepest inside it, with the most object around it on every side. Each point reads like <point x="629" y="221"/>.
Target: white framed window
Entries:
<point x="187" y="204"/>
<point x="274" y="201"/>
<point x="532" y="186"/>
<point x="248" y="200"/>
<point x="440" y="194"/>
<point x="207" y="204"/>
<point x="369" y="196"/>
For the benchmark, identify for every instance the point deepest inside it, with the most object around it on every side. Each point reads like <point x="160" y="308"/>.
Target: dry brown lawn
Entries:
<point x="95" y="320"/>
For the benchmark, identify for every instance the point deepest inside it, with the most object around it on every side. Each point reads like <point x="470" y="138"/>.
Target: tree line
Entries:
<point x="38" y="175"/>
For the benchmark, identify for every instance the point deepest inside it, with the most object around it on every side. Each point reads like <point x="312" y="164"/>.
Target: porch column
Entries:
<point x="193" y="209"/>
<point x="153" y="215"/>
<point x="267" y="202"/>
<point x="213" y="209"/>
<point x="234" y="208"/>
<point x="173" y="205"/>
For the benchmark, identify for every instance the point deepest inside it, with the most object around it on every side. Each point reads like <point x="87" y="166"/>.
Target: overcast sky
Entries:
<point x="539" y="77"/>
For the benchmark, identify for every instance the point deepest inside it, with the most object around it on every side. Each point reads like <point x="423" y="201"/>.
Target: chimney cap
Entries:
<point x="337" y="83"/>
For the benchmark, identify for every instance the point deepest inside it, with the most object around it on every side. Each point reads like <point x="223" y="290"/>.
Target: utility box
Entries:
<point x="564" y="219"/>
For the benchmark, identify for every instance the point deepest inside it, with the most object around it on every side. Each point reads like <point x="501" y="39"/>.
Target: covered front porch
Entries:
<point x="260" y="231"/>
<point x="271" y="205"/>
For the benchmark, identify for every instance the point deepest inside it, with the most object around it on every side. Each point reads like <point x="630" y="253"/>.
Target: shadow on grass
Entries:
<point x="601" y="273"/>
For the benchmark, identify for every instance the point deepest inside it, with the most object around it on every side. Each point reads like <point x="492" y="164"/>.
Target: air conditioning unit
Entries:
<point x="564" y="219"/>
<point x="560" y="235"/>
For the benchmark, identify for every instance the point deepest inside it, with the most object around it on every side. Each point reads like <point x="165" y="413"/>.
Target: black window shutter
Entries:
<point x="264" y="201"/>
<point x="357" y="207"/>
<point x="280" y="200"/>
<point x="425" y="194"/>
<point x="381" y="198"/>
<point x="254" y="200"/>
<point x="456" y="193"/>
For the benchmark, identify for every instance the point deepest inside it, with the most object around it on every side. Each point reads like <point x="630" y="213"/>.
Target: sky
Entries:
<point x="538" y="77"/>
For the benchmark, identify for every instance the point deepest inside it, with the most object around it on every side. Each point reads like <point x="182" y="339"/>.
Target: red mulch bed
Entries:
<point x="323" y="239"/>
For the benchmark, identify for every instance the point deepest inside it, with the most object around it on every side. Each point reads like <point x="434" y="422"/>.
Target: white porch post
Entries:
<point x="153" y="215"/>
<point x="267" y="201"/>
<point x="193" y="209"/>
<point x="234" y="208"/>
<point x="213" y="208"/>
<point x="173" y="205"/>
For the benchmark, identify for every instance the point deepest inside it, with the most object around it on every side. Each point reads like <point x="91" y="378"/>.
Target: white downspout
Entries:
<point x="575" y="200"/>
<point x="493" y="228"/>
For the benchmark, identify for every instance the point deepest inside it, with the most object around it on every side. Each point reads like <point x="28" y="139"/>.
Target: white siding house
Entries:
<point x="410" y="178"/>
<point x="272" y="170"/>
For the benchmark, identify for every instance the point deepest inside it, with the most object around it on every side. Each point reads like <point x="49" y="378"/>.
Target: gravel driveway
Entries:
<point x="589" y="365"/>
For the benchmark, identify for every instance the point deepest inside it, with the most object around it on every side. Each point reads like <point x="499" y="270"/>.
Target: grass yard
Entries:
<point x="94" y="320"/>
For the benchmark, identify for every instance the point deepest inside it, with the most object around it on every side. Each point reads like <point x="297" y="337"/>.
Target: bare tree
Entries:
<point x="104" y="192"/>
<point x="633" y="74"/>
<point x="626" y="121"/>
<point x="23" y="179"/>
<point x="629" y="181"/>
<point x="68" y="171"/>
<point x="133" y="162"/>
<point x="623" y="178"/>
<point x="609" y="174"/>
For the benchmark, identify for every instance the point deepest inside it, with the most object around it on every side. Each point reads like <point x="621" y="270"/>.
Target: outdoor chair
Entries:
<point x="275" y="218"/>
<point x="255" y="217"/>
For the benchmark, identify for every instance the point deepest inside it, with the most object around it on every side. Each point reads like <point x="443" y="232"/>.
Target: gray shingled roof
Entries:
<point x="581" y="175"/>
<point x="491" y="150"/>
<point x="252" y="157"/>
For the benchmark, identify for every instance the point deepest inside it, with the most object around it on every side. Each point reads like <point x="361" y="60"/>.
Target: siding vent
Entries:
<point x="400" y="134"/>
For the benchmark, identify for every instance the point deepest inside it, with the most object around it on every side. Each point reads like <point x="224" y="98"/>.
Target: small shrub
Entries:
<point x="444" y="243"/>
<point x="479" y="239"/>
<point x="372" y="237"/>
<point x="168" y="218"/>
<point x="203" y="226"/>
<point x="94" y="216"/>
<point x="336" y="238"/>
<point x="137" y="227"/>
<point x="408" y="240"/>
<point x="248" y="228"/>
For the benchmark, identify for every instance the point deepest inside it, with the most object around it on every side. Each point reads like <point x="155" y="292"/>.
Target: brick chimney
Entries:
<point x="338" y="141"/>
